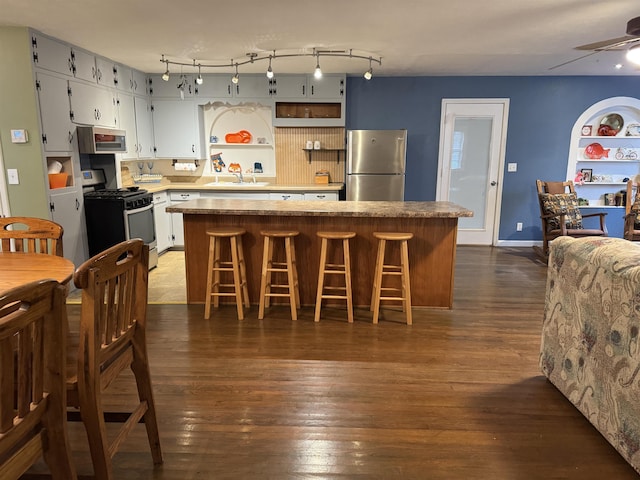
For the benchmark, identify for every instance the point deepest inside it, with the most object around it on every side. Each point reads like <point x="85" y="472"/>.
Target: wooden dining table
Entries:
<point x="19" y="268"/>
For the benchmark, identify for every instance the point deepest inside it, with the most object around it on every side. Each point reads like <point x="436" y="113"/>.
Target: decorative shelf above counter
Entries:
<point x="310" y="152"/>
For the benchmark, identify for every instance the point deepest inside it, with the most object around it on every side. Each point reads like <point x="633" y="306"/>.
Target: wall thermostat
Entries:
<point x="19" y="136"/>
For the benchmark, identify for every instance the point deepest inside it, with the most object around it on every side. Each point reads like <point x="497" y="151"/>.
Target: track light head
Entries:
<point x="269" y="70"/>
<point x="369" y="73"/>
<point x="199" y="79"/>
<point x="633" y="54"/>
<point x="317" y="73"/>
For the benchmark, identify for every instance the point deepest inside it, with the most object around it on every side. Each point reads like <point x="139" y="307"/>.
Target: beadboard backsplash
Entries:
<point x="292" y="162"/>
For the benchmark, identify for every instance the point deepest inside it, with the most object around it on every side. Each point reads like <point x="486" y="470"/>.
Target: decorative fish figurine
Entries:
<point x="595" y="151"/>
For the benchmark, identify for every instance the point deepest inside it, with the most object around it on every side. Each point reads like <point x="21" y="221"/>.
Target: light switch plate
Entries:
<point x="12" y="176"/>
<point x="19" y="136"/>
<point x="512" y="167"/>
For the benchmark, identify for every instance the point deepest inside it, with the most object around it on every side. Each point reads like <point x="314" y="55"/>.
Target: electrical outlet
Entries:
<point x="12" y="176"/>
<point x="519" y="227"/>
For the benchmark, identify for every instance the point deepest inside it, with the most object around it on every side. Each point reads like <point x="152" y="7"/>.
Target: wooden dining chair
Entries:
<point x="112" y="339"/>
<point x="561" y="216"/>
<point x="32" y="390"/>
<point x="632" y="212"/>
<point x="29" y="234"/>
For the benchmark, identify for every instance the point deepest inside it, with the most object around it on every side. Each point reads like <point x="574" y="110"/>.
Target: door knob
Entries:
<point x="494" y="183"/>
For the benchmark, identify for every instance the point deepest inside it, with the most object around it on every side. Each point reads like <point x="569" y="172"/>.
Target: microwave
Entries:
<point x="101" y="140"/>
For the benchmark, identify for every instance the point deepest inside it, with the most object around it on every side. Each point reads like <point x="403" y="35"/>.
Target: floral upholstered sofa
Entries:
<point x="591" y="334"/>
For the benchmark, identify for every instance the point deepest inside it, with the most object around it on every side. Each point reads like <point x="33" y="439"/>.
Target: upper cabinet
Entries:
<point x="175" y="129"/>
<point x="329" y="86"/>
<point x="215" y="86"/>
<point x="605" y="150"/>
<point x="289" y="86"/>
<point x="53" y="98"/>
<point x="178" y="86"/>
<point x="84" y="65"/>
<point x="51" y="55"/>
<point x="92" y="105"/>
<point x="139" y="83"/>
<point x="251" y="86"/>
<point x="106" y="72"/>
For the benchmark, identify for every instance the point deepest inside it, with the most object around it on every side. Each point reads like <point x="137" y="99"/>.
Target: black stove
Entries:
<point x="130" y="198"/>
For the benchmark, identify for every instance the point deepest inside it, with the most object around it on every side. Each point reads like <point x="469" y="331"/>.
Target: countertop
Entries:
<point x="323" y="208"/>
<point x="234" y="187"/>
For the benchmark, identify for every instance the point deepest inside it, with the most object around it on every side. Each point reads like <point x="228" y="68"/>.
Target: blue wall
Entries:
<point x="541" y="115"/>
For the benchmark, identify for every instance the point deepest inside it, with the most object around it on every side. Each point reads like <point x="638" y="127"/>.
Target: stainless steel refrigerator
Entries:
<point x="376" y="164"/>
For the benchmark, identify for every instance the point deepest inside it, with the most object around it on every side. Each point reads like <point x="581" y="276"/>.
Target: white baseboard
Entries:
<point x="518" y="243"/>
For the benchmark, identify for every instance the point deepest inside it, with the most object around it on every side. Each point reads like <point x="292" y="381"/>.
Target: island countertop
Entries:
<point x="287" y="208"/>
<point x="432" y="250"/>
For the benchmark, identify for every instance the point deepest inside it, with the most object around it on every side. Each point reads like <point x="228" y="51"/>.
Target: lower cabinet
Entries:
<point x="177" y="228"/>
<point x="286" y="196"/>
<point x="162" y="221"/>
<point x="321" y="196"/>
<point x="67" y="210"/>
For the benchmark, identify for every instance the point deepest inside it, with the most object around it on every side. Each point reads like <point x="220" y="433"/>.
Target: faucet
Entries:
<point x="239" y="177"/>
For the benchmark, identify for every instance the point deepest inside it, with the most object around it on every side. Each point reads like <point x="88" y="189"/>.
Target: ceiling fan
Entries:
<point x="632" y="37"/>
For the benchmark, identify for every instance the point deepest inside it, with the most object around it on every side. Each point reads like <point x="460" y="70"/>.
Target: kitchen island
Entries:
<point x="432" y="250"/>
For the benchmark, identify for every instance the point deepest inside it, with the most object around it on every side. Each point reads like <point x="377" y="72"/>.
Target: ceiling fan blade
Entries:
<point x="611" y="44"/>
<point x="573" y="60"/>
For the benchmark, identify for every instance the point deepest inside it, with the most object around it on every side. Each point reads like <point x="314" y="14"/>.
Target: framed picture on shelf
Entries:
<point x="587" y="174"/>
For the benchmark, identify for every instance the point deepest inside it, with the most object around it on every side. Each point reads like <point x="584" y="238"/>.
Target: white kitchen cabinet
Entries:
<point x="286" y="196"/>
<point x="84" y="65"/>
<point x="175" y="129"/>
<point x="127" y="122"/>
<point x="144" y="127"/>
<point x="138" y="82"/>
<point x="162" y="221"/>
<point x="289" y="86"/>
<point x="329" y="86"/>
<point x="123" y="78"/>
<point x="92" y="105"/>
<point x="51" y="54"/>
<point x="235" y="195"/>
<point x="321" y="196"/>
<point x="67" y="210"/>
<point x="106" y="72"/>
<point x="177" y="225"/>
<point x="158" y="88"/>
<point x="214" y="86"/>
<point x="251" y="86"/>
<point x="53" y="99"/>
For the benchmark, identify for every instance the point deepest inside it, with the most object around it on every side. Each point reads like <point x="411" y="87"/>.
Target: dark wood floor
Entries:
<point x="458" y="395"/>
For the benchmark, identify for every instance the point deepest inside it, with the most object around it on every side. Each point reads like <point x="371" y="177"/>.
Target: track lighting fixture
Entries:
<point x="633" y="54"/>
<point x="253" y="57"/>
<point x="235" y="79"/>
<point x="199" y="79"/>
<point x="269" y="70"/>
<point x="369" y="73"/>
<point x="317" y="73"/>
<point x="165" y="75"/>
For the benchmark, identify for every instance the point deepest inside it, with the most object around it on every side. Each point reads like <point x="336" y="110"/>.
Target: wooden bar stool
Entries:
<point x="216" y="265"/>
<point x="288" y="267"/>
<point x="403" y="293"/>
<point x="335" y="269"/>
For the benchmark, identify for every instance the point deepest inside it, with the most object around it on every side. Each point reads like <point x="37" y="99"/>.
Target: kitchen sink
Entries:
<point x="236" y="184"/>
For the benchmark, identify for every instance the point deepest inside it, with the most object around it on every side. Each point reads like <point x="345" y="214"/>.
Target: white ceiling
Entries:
<point x="413" y="37"/>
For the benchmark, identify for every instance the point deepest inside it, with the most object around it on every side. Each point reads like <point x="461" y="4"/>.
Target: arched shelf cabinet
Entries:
<point x="621" y="157"/>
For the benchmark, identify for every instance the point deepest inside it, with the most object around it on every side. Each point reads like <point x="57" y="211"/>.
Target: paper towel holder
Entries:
<point x="195" y="162"/>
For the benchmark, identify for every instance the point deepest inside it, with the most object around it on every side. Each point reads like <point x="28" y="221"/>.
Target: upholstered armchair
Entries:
<point x="561" y="216"/>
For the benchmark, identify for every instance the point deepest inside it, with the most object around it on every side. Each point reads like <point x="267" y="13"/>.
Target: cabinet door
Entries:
<point x="139" y="82"/>
<point x="162" y="221"/>
<point x="51" y="55"/>
<point x="329" y="86"/>
<point x="289" y="86"/>
<point x="67" y="210"/>
<point x="286" y="196"/>
<point x="252" y="86"/>
<point x="127" y="122"/>
<point x="214" y="86"/>
<point x="92" y="105"/>
<point x="175" y="129"/>
<point x="106" y="72"/>
<point x="53" y="98"/>
<point x="84" y="65"/>
<point x="123" y="78"/>
<point x="144" y="128"/>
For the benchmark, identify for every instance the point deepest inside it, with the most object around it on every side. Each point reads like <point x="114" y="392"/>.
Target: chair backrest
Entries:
<point x="633" y="194"/>
<point x="30" y="235"/>
<point x="32" y="381"/>
<point x="114" y="287"/>
<point x="555" y="187"/>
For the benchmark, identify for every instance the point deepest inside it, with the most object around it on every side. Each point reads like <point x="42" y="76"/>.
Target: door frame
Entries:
<point x="4" y="195"/>
<point x="441" y="192"/>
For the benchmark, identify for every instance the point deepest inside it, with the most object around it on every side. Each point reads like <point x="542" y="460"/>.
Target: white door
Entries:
<point x="473" y="135"/>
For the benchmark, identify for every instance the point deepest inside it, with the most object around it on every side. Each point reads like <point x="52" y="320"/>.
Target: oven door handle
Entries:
<point x="138" y="210"/>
